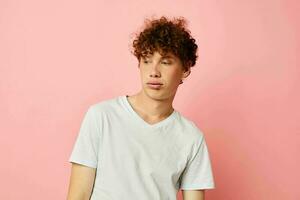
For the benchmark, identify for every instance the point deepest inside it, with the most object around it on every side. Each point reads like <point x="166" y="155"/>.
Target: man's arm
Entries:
<point x="81" y="182"/>
<point x="193" y="194"/>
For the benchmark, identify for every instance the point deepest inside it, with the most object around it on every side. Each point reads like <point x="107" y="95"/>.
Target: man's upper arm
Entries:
<point x="193" y="194"/>
<point x="81" y="182"/>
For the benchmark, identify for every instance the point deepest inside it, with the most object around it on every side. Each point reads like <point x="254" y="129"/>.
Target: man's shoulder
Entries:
<point x="190" y="127"/>
<point x="105" y="105"/>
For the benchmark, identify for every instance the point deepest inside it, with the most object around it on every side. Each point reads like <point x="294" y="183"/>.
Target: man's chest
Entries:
<point x="150" y="153"/>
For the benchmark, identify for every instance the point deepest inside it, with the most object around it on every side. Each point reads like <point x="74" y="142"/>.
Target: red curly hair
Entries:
<point x="166" y="36"/>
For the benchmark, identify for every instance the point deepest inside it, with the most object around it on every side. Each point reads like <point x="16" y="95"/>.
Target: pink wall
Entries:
<point x="58" y="57"/>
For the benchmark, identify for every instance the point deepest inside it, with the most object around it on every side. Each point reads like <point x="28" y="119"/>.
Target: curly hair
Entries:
<point x="166" y="36"/>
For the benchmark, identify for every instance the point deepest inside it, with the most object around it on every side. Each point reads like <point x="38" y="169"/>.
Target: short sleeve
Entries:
<point x="85" y="149"/>
<point x="198" y="172"/>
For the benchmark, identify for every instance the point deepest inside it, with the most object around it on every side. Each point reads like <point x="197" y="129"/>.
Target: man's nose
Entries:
<point x="155" y="69"/>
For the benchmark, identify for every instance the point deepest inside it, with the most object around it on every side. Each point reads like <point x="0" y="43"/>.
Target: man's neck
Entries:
<point x="149" y="109"/>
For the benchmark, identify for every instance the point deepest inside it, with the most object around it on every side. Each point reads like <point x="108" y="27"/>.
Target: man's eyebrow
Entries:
<point x="168" y="56"/>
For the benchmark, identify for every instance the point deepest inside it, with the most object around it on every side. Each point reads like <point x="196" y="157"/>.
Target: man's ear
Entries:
<point x="186" y="73"/>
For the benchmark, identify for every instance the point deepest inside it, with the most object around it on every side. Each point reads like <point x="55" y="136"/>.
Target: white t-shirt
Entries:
<point x="136" y="160"/>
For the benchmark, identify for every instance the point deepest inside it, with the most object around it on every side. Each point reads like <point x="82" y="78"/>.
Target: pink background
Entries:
<point x="58" y="57"/>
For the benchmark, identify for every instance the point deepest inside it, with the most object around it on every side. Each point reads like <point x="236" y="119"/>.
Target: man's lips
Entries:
<point x="154" y="83"/>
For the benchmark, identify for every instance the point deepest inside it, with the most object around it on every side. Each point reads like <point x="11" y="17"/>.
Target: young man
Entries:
<point x="139" y="147"/>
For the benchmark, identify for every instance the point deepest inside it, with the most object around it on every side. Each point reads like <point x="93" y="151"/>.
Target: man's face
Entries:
<point x="167" y="71"/>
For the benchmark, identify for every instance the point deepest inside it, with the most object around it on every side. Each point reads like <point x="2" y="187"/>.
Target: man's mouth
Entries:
<point x="154" y="85"/>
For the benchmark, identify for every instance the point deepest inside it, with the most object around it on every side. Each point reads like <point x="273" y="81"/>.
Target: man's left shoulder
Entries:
<point x="190" y="127"/>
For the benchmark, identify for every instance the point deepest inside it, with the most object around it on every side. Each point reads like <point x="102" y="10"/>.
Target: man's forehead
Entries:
<point x="163" y="55"/>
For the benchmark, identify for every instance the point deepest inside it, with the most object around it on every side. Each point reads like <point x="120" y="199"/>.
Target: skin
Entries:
<point x="153" y="105"/>
<point x="81" y="182"/>
<point x="193" y="194"/>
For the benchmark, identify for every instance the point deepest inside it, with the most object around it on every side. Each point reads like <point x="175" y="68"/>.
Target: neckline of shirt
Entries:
<point x="140" y="120"/>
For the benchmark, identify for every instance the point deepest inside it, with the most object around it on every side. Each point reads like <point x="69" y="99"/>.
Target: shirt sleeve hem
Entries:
<point x="197" y="187"/>
<point x="85" y="163"/>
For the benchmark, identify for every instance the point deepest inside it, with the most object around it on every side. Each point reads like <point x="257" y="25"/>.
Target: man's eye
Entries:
<point x="166" y="63"/>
